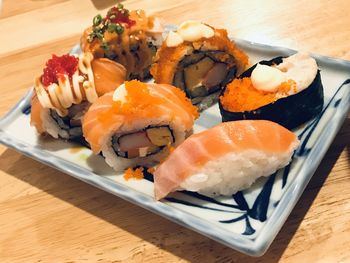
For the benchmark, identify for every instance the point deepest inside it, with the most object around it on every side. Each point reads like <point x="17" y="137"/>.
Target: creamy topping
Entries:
<point x="173" y="39"/>
<point x="120" y="94"/>
<point x="300" y="67"/>
<point x="189" y="31"/>
<point x="266" y="78"/>
<point x="61" y="96"/>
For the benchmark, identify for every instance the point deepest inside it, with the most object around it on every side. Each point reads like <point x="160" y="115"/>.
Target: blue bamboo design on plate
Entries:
<point x="260" y="207"/>
<point x="261" y="204"/>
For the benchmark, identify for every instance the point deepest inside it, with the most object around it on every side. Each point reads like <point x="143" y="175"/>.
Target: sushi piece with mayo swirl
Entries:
<point x="66" y="89"/>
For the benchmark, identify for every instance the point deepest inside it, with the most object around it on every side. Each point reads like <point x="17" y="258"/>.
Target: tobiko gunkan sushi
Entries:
<point x="287" y="90"/>
<point x="226" y="158"/>
<point x="200" y="60"/>
<point x="139" y="123"/>
<point x="65" y="90"/>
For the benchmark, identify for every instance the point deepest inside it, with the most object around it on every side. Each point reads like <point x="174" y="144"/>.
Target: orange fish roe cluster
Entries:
<point x="140" y="102"/>
<point x="133" y="174"/>
<point x="138" y="98"/>
<point x="240" y="95"/>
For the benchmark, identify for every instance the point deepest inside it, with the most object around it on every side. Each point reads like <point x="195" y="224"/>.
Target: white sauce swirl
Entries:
<point x="61" y="96"/>
<point x="189" y="31"/>
<point x="120" y="93"/>
<point x="300" y="67"/>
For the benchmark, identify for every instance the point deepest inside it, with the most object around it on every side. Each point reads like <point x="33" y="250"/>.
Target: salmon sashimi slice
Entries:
<point x="226" y="138"/>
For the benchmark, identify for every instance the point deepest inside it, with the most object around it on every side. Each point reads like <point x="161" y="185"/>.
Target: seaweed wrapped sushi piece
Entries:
<point x="130" y="38"/>
<point x="138" y="124"/>
<point x="65" y="90"/>
<point x="200" y="60"/>
<point x="286" y="90"/>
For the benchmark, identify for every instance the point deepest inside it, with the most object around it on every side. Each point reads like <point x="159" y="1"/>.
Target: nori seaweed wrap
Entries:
<point x="289" y="111"/>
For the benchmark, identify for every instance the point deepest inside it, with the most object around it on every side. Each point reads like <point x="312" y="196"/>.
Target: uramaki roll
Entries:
<point x="286" y="90"/>
<point x="129" y="38"/>
<point x="138" y="124"/>
<point x="65" y="90"/>
<point x="200" y="60"/>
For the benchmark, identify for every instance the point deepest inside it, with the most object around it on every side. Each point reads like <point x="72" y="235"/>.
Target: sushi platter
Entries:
<point x="75" y="134"/>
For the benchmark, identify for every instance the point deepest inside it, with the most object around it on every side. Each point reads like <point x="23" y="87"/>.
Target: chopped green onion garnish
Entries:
<point x="97" y="20"/>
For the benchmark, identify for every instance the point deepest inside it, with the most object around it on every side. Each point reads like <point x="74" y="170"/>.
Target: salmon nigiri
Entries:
<point x="226" y="158"/>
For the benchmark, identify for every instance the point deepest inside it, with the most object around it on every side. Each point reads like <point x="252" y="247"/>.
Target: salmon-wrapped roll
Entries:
<point x="200" y="60"/>
<point x="65" y="90"/>
<point x="138" y="124"/>
<point x="130" y="38"/>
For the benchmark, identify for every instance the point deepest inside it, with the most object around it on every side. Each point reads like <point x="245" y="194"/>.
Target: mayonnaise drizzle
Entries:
<point x="61" y="96"/>
<point x="189" y="31"/>
<point x="300" y="67"/>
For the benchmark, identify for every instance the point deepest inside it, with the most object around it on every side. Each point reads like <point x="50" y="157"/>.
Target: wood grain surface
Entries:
<point x="48" y="216"/>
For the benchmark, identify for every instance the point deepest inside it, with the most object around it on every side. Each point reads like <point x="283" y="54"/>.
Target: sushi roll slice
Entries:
<point x="200" y="60"/>
<point x="286" y="90"/>
<point x="128" y="37"/>
<point x="65" y="90"/>
<point x="226" y="158"/>
<point x="138" y="124"/>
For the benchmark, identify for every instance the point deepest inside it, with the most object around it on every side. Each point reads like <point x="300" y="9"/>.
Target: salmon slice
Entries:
<point x="108" y="75"/>
<point x="143" y="102"/>
<point x="229" y="137"/>
<point x="35" y="115"/>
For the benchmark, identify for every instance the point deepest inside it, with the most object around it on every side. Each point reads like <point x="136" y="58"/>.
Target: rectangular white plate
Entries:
<point x="249" y="220"/>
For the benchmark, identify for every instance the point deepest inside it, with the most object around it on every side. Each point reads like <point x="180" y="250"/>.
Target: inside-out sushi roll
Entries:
<point x="200" y="60"/>
<point x="65" y="90"/>
<point x="138" y="124"/>
<point x="287" y="90"/>
<point x="226" y="158"/>
<point x="128" y="37"/>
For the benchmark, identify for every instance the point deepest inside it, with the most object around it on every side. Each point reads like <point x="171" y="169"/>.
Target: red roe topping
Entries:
<point x="57" y="66"/>
<point x="119" y="14"/>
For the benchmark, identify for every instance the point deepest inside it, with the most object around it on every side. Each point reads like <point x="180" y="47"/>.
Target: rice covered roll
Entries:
<point x="200" y="60"/>
<point x="65" y="90"/>
<point x="286" y="90"/>
<point x="128" y="37"/>
<point x="138" y="124"/>
<point x="226" y="158"/>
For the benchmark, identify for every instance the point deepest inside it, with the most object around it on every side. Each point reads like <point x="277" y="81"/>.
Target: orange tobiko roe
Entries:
<point x="240" y="95"/>
<point x="139" y="99"/>
<point x="133" y="174"/>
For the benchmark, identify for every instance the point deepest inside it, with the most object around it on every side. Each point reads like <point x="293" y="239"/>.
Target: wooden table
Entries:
<point x="48" y="216"/>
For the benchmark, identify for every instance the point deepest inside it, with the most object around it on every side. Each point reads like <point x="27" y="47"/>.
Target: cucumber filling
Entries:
<point x="143" y="143"/>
